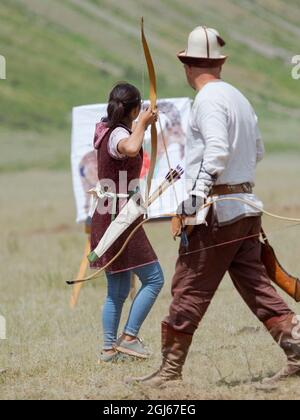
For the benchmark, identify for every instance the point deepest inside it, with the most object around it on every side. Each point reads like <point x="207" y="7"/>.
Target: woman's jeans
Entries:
<point x="152" y="279"/>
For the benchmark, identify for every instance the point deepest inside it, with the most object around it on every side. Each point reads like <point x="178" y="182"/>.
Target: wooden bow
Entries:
<point x="153" y="102"/>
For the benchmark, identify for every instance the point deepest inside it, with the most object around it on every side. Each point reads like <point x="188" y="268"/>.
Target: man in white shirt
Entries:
<point x="223" y="144"/>
<point x="223" y="147"/>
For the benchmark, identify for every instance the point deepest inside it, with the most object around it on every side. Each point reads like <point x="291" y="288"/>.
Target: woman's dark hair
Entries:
<point x="122" y="100"/>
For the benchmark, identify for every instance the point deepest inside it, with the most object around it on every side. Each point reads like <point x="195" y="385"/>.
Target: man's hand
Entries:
<point x="190" y="206"/>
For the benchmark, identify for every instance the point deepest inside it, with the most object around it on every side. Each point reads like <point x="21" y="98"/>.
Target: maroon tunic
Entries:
<point x="139" y="251"/>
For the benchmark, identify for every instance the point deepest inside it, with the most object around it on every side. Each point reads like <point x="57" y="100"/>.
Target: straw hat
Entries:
<point x="204" y="48"/>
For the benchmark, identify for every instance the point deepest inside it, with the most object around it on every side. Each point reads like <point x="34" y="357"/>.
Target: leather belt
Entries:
<point x="245" y="188"/>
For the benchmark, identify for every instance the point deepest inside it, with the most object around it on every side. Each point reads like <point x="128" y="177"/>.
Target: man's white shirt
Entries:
<point x="224" y="138"/>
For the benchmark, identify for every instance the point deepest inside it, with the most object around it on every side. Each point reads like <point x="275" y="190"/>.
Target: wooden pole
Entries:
<point x="81" y="273"/>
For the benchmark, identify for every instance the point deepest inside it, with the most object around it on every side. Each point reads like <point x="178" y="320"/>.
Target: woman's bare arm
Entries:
<point x="131" y="146"/>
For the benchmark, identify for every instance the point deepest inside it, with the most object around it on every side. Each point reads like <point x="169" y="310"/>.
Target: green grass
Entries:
<point x="62" y="53"/>
<point x="26" y="150"/>
<point x="51" y="351"/>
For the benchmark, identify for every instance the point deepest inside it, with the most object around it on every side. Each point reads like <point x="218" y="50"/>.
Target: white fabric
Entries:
<point x="197" y="43"/>
<point x="224" y="140"/>
<point x="228" y="211"/>
<point x="98" y="193"/>
<point x="174" y="112"/>
<point x="116" y="136"/>
<point x="128" y="215"/>
<point x="200" y="217"/>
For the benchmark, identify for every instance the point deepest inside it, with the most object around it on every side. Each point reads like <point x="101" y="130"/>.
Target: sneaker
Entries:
<point x="134" y="348"/>
<point x="111" y="358"/>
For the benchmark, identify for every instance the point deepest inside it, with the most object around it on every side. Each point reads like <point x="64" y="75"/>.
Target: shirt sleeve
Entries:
<point x="212" y="122"/>
<point x="260" y="148"/>
<point x="116" y="136"/>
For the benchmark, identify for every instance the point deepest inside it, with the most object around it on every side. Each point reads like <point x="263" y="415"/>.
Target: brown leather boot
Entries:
<point x="175" y="347"/>
<point x="286" y="332"/>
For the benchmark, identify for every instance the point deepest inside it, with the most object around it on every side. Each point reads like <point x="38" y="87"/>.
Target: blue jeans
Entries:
<point x="152" y="279"/>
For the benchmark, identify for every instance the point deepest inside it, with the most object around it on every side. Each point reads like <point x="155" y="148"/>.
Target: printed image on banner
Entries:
<point x="174" y="114"/>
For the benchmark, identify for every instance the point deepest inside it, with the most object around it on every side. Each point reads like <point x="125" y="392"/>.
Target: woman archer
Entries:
<point x="120" y="159"/>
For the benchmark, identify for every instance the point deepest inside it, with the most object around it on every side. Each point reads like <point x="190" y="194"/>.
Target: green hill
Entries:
<point x="62" y="53"/>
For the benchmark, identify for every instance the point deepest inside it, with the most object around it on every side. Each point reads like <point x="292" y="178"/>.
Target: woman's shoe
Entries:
<point x="134" y="348"/>
<point x="111" y="357"/>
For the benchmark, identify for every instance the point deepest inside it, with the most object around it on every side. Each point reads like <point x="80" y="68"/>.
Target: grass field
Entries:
<point x="63" y="53"/>
<point x="51" y="351"/>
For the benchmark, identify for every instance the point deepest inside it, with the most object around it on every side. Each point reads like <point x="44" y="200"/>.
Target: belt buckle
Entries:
<point x="247" y="188"/>
<point x="231" y="188"/>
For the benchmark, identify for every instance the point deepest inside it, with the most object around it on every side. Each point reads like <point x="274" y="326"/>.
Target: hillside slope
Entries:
<point x="62" y="53"/>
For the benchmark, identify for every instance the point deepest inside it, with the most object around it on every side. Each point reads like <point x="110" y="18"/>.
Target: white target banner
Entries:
<point x="174" y="116"/>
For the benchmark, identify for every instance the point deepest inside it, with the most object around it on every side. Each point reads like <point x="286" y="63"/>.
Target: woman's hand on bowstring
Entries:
<point x="148" y="117"/>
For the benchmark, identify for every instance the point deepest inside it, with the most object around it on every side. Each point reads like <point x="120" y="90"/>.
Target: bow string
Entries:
<point x="154" y="138"/>
<point x="153" y="102"/>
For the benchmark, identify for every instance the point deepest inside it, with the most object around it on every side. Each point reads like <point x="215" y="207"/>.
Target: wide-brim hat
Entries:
<point x="204" y="48"/>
